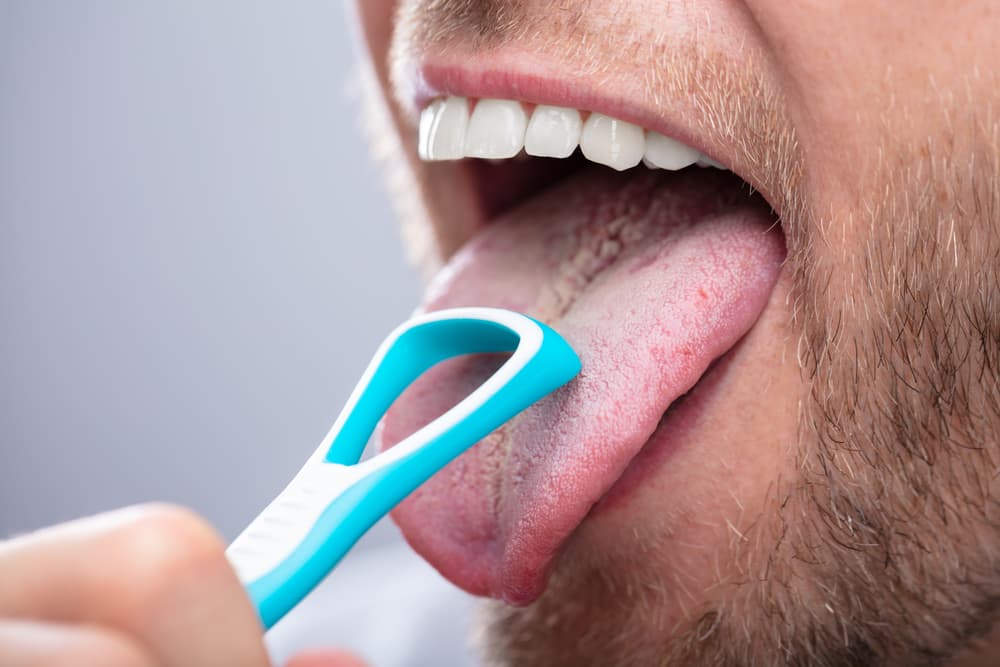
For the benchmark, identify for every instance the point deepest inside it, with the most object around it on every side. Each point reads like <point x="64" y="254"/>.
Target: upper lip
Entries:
<point x="719" y="123"/>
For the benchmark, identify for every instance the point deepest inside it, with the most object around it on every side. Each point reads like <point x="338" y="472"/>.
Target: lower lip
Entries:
<point x="682" y="415"/>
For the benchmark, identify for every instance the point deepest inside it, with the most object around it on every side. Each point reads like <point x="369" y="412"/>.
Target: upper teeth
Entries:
<point x="499" y="129"/>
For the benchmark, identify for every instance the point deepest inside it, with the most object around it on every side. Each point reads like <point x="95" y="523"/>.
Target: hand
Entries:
<point x="146" y="586"/>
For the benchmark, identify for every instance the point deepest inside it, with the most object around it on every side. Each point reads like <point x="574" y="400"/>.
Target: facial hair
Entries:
<point x="882" y="549"/>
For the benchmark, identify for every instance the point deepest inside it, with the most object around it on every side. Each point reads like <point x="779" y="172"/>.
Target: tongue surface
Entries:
<point x="650" y="277"/>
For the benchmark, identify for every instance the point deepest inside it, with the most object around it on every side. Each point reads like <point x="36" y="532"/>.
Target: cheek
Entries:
<point x="374" y="19"/>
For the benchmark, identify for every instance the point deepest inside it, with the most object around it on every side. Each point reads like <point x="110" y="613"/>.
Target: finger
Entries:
<point x="37" y="644"/>
<point x="326" y="658"/>
<point x="159" y="574"/>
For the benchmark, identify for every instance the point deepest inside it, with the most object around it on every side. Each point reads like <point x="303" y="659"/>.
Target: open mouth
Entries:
<point x="651" y="258"/>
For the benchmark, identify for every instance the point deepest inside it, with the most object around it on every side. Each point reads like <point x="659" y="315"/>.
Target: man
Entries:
<point x="782" y="449"/>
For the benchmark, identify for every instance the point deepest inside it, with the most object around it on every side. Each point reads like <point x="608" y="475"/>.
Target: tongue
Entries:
<point x="650" y="277"/>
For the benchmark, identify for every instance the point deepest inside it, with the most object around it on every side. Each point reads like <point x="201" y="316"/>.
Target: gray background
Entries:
<point x="197" y="254"/>
<point x="197" y="259"/>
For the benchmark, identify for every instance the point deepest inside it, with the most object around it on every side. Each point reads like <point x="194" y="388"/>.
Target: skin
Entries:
<point x="144" y="586"/>
<point x="839" y="506"/>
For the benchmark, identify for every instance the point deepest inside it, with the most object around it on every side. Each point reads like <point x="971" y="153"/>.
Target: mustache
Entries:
<point x="488" y="22"/>
<point x="735" y="101"/>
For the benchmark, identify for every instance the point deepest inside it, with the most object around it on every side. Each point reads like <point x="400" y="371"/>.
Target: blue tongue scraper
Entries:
<point x="292" y="545"/>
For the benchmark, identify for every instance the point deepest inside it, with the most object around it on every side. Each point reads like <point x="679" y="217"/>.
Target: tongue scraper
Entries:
<point x="333" y="500"/>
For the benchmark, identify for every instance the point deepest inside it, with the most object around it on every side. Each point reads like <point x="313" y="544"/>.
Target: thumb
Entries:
<point x="326" y="658"/>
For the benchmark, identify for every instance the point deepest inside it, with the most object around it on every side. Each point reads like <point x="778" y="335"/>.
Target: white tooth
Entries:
<point x="427" y="117"/>
<point x="446" y="132"/>
<point x="705" y="161"/>
<point x="496" y="129"/>
<point x="553" y="132"/>
<point x="667" y="153"/>
<point x="649" y="165"/>
<point x="613" y="142"/>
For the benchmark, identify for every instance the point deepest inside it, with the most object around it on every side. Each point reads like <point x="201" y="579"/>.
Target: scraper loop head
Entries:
<point x="333" y="500"/>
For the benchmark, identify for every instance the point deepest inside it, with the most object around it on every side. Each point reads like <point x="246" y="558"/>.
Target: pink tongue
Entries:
<point x="650" y="278"/>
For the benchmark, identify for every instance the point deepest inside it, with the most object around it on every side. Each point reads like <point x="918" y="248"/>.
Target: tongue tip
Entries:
<point x="474" y="568"/>
<point x="520" y="596"/>
<point x="480" y="572"/>
<point x="488" y="585"/>
<point x="522" y="579"/>
<point x="482" y="577"/>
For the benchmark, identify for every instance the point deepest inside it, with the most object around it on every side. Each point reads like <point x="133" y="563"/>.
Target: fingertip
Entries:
<point x="39" y="643"/>
<point x="326" y="658"/>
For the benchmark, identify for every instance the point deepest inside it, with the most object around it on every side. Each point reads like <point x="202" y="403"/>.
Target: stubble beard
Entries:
<point x="884" y="549"/>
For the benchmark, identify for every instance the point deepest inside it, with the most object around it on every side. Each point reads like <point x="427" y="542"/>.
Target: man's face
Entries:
<point x="782" y="447"/>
